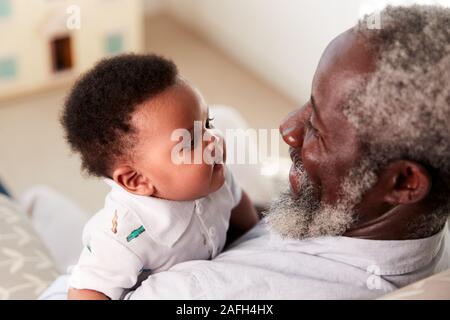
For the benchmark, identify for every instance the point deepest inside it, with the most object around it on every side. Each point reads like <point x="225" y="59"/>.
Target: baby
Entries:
<point x="165" y="206"/>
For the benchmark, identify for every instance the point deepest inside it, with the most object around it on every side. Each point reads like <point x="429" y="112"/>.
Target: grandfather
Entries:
<point x="370" y="181"/>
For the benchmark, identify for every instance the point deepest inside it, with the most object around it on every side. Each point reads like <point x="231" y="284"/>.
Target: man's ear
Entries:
<point x="132" y="181"/>
<point x="405" y="182"/>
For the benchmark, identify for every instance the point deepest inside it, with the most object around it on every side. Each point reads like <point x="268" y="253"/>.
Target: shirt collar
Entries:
<point x="389" y="257"/>
<point x="164" y="220"/>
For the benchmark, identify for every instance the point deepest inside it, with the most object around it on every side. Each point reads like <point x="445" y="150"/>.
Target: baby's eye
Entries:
<point x="208" y="124"/>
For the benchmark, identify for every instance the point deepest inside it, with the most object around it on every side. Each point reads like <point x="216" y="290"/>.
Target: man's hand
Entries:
<point x="85" y="294"/>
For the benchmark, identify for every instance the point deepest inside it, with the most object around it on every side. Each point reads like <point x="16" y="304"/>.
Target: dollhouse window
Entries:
<point x="61" y="53"/>
<point x="114" y="43"/>
<point x="8" y="68"/>
<point x="5" y="8"/>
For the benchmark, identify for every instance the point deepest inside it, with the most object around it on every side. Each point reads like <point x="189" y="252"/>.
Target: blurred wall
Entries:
<point x="280" y="40"/>
<point x="153" y="6"/>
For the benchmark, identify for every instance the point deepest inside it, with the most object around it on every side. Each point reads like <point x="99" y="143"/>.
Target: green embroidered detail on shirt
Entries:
<point x="135" y="233"/>
<point x="89" y="248"/>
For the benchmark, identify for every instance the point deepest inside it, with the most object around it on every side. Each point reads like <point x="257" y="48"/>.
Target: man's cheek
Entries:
<point x="329" y="186"/>
<point x="312" y="164"/>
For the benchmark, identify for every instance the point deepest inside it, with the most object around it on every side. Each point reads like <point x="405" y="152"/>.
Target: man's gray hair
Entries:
<point x="403" y="110"/>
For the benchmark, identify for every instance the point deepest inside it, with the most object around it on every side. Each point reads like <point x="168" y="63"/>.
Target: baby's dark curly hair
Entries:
<point x="97" y="112"/>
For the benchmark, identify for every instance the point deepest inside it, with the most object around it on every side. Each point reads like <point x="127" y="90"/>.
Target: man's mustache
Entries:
<point x="296" y="159"/>
<point x="304" y="180"/>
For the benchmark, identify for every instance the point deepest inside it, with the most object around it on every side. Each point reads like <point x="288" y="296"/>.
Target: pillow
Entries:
<point x="26" y="267"/>
<point x="436" y="287"/>
<point x="54" y="217"/>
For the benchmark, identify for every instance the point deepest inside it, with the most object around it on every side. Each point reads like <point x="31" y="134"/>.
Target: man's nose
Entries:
<point x="292" y="129"/>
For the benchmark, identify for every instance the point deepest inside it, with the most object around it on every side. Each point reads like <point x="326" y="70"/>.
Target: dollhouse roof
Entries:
<point x="54" y="23"/>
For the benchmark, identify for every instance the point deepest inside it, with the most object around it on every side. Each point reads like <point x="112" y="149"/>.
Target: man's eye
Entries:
<point x="208" y="124"/>
<point x="309" y="127"/>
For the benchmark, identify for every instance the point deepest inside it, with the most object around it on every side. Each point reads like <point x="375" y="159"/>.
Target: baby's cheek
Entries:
<point x="194" y="179"/>
<point x="202" y="175"/>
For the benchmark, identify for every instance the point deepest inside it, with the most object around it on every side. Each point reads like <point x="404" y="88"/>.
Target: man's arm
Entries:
<point x="243" y="217"/>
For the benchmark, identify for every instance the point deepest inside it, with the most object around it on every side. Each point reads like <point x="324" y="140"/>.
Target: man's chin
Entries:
<point x="302" y="217"/>
<point x="298" y="212"/>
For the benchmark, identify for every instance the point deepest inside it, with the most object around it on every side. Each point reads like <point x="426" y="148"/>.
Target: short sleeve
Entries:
<point x="235" y="189"/>
<point x="100" y="269"/>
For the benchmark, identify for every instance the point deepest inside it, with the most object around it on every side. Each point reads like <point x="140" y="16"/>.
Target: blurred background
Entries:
<point x="258" y="56"/>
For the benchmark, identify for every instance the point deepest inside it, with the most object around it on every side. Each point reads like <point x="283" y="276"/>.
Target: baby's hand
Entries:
<point x="85" y="294"/>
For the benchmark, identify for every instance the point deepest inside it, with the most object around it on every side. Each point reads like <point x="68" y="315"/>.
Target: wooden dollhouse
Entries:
<point x="47" y="43"/>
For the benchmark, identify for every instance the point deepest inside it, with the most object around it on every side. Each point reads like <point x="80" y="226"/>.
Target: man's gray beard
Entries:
<point x="305" y="217"/>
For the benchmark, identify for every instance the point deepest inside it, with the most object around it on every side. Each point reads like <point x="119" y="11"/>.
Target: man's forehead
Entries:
<point x="346" y="62"/>
<point x="349" y="51"/>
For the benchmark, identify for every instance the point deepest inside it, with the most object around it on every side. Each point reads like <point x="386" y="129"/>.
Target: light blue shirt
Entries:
<point x="263" y="266"/>
<point x="133" y="236"/>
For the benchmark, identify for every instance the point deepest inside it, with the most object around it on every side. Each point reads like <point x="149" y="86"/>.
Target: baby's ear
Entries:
<point x="132" y="181"/>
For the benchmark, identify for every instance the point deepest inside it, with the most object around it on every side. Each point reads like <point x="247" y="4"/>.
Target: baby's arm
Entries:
<point x="84" y="294"/>
<point x="108" y="264"/>
<point x="243" y="216"/>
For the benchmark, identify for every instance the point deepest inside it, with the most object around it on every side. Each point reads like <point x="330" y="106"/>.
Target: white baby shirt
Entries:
<point x="134" y="234"/>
